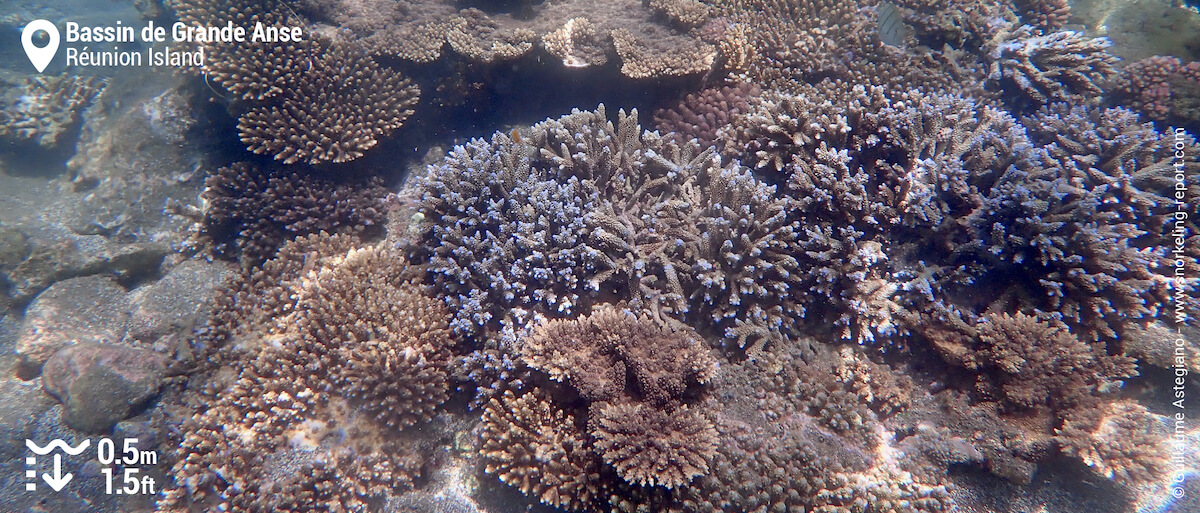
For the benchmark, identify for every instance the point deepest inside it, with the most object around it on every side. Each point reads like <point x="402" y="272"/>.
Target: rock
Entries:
<point x="170" y="306"/>
<point x="20" y="403"/>
<point x="100" y="385"/>
<point x="14" y="247"/>
<point x="78" y="310"/>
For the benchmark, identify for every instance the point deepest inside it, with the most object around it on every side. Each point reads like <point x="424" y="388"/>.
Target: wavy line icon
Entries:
<point x="42" y="451"/>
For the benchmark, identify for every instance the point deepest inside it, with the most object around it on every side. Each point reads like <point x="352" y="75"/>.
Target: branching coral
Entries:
<point x="251" y="212"/>
<point x="343" y="353"/>
<point x="535" y="447"/>
<point x="46" y="107"/>
<point x="583" y="207"/>
<point x="863" y="170"/>
<point x="1070" y="226"/>
<point x="639" y="380"/>
<point x="1060" y="66"/>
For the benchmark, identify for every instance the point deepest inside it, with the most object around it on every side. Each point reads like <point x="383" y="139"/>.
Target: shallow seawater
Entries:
<point x="618" y="256"/>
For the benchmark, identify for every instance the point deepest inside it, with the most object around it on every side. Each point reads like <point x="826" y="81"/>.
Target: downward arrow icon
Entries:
<point x="59" y="480"/>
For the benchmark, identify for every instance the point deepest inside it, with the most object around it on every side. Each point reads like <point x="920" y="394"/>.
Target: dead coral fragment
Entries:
<point x="650" y="446"/>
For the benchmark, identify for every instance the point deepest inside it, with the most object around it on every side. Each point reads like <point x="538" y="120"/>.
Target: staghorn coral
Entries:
<point x="269" y="433"/>
<point x="1121" y="443"/>
<point x="583" y="207"/>
<point x="44" y="108"/>
<point x="250" y="212"/>
<point x="1061" y="66"/>
<point x="863" y="169"/>
<point x="651" y="446"/>
<point x="1162" y="88"/>
<point x="751" y="300"/>
<point x="1109" y="149"/>
<point x="1072" y="234"/>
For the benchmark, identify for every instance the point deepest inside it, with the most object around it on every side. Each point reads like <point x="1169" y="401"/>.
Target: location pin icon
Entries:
<point x="40" y="57"/>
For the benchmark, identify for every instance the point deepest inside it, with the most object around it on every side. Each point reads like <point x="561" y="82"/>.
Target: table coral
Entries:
<point x="315" y="101"/>
<point x="649" y="39"/>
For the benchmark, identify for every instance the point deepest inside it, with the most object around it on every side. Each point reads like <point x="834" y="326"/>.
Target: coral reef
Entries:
<point x="44" y="108"/>
<point x="251" y="212"/>
<point x="847" y="274"/>
<point x="266" y="433"/>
